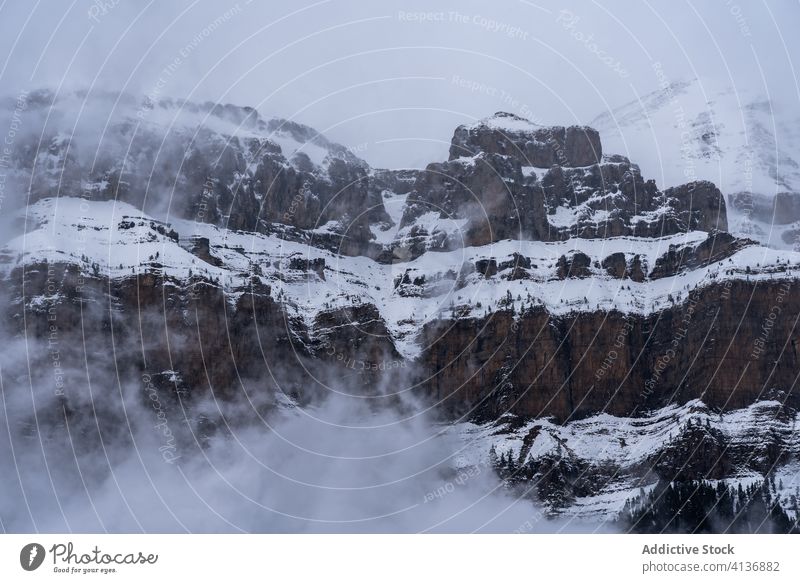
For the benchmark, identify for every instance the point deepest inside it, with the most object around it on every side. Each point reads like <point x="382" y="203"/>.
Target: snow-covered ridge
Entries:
<point x="120" y="241"/>
<point x="95" y="123"/>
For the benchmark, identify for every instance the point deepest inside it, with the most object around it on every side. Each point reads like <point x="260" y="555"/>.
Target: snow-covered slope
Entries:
<point x="741" y="139"/>
<point x="627" y="452"/>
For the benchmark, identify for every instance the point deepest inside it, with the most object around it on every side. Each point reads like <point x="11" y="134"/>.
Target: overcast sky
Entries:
<point x="392" y="79"/>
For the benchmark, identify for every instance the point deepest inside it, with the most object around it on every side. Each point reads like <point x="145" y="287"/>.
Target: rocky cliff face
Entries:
<point x="569" y="367"/>
<point x="529" y="286"/>
<point x="507" y="134"/>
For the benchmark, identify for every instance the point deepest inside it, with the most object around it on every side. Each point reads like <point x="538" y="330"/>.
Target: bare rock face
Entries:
<point x="478" y="201"/>
<point x="582" y="146"/>
<point x="717" y="247"/>
<point x="486" y="267"/>
<point x="356" y="339"/>
<point x="615" y="265"/>
<point x="519" y="265"/>
<point x="576" y="365"/>
<point x="201" y="249"/>
<point x="400" y="181"/>
<point x="209" y="343"/>
<point x="636" y="269"/>
<point x="619" y="266"/>
<point x="700" y="205"/>
<point x="574" y="265"/>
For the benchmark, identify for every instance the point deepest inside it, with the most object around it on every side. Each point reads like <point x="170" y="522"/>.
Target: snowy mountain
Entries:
<point x="535" y="304"/>
<point x="742" y="140"/>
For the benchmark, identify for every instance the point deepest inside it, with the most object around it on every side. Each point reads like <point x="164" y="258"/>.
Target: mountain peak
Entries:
<point x="539" y="146"/>
<point x="507" y="122"/>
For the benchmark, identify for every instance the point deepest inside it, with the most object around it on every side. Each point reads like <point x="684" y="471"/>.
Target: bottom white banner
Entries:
<point x="355" y="558"/>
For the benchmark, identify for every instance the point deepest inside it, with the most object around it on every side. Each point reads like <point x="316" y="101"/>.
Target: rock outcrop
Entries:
<point x="510" y="135"/>
<point x="506" y="179"/>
